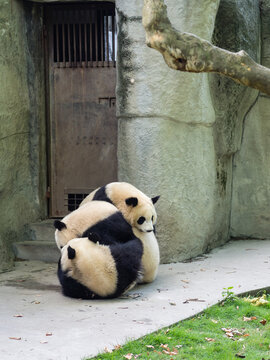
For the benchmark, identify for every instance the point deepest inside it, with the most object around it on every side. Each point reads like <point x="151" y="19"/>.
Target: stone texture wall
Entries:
<point x="251" y="182"/>
<point x="166" y="142"/>
<point x="178" y="132"/>
<point x="22" y="151"/>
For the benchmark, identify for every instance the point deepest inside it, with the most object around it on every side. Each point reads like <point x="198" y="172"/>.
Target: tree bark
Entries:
<point x="187" y="52"/>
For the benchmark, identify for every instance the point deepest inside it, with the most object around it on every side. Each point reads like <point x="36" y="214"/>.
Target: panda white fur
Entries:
<point x="139" y="211"/>
<point x="89" y="270"/>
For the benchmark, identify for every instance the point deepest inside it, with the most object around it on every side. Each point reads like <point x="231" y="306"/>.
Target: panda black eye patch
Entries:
<point x="141" y="220"/>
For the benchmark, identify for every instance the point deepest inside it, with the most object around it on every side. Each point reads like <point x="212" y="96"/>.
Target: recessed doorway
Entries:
<point x="81" y="80"/>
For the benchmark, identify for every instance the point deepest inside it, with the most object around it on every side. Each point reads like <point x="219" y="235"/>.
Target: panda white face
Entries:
<point x="145" y="218"/>
<point x="141" y="213"/>
<point x="144" y="224"/>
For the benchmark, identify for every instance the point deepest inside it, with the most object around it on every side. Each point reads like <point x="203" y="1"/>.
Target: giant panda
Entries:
<point x="137" y="208"/>
<point x="139" y="211"/>
<point x="89" y="270"/>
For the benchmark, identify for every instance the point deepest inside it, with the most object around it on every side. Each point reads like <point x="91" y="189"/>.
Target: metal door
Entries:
<point x="82" y="77"/>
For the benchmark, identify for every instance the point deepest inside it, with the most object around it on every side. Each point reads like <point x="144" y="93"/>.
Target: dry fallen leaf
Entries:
<point x="48" y="334"/>
<point x="196" y="300"/>
<point x="150" y="346"/>
<point x="106" y="350"/>
<point x="178" y="346"/>
<point x="15" y="338"/>
<point x="249" y="318"/>
<point x="214" y="321"/>
<point x="128" y="356"/>
<point x="44" y="342"/>
<point x="117" y="347"/>
<point x="263" y="322"/>
<point x="185" y="281"/>
<point x="257" y="301"/>
<point x="170" y="352"/>
<point x="231" y="332"/>
<point x="18" y="315"/>
<point x="165" y="346"/>
<point x="209" y="339"/>
<point x="172" y="303"/>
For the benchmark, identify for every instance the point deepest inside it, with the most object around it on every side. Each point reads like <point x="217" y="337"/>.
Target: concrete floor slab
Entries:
<point x="38" y="322"/>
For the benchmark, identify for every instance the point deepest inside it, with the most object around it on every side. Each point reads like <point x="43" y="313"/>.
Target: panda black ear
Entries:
<point x="71" y="252"/>
<point x="59" y="225"/>
<point x="132" y="201"/>
<point x="155" y="199"/>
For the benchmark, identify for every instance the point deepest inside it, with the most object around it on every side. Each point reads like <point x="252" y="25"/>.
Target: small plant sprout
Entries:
<point x="228" y="294"/>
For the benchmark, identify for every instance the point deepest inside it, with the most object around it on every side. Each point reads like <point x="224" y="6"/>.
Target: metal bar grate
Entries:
<point x="84" y="36"/>
<point x="73" y="198"/>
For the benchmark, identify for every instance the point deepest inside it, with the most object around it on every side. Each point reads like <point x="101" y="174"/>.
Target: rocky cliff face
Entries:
<point x="21" y="115"/>
<point x="179" y="132"/>
<point x="251" y="181"/>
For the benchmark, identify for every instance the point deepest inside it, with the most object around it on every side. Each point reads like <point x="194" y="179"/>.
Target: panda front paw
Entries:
<point x="94" y="237"/>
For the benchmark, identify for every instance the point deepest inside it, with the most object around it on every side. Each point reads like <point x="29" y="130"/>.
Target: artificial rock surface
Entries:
<point x="21" y="105"/>
<point x="251" y="182"/>
<point x="178" y="132"/>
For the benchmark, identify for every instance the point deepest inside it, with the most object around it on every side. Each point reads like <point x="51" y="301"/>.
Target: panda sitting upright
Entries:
<point x="139" y="211"/>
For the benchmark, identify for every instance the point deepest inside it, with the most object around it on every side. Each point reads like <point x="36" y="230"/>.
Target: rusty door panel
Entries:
<point x="83" y="126"/>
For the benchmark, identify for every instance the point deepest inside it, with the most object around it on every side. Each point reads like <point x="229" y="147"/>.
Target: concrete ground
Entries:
<point x="38" y="322"/>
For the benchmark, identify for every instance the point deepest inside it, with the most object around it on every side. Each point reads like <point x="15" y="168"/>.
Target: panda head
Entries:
<point x="62" y="233"/>
<point x="90" y="264"/>
<point x="142" y="214"/>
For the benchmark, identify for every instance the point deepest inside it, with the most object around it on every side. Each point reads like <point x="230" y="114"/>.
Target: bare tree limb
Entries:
<point x="187" y="52"/>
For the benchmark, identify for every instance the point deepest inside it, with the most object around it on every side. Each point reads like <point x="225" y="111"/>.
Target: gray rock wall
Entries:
<point x="178" y="132"/>
<point x="251" y="182"/>
<point x="22" y="151"/>
<point x="166" y="134"/>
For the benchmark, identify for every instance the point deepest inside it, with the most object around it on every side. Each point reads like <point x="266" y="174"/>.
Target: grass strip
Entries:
<point x="233" y="329"/>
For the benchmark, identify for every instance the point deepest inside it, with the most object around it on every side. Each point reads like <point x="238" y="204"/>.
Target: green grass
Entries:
<point x="187" y="339"/>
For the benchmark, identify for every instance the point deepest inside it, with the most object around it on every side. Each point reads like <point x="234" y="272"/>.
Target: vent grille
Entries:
<point x="84" y="36"/>
<point x="73" y="199"/>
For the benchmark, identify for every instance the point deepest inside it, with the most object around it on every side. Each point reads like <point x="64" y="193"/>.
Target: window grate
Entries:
<point x="84" y="37"/>
<point x="72" y="200"/>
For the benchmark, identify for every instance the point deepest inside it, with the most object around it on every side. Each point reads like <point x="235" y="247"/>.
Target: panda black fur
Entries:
<point x="88" y="269"/>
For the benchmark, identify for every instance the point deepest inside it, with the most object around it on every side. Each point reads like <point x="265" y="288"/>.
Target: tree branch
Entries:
<point x="187" y="52"/>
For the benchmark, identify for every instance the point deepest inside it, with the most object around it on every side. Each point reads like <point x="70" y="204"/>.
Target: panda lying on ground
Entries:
<point x="89" y="270"/>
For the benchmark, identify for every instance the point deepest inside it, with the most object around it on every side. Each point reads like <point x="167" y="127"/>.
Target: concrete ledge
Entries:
<point x="36" y="250"/>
